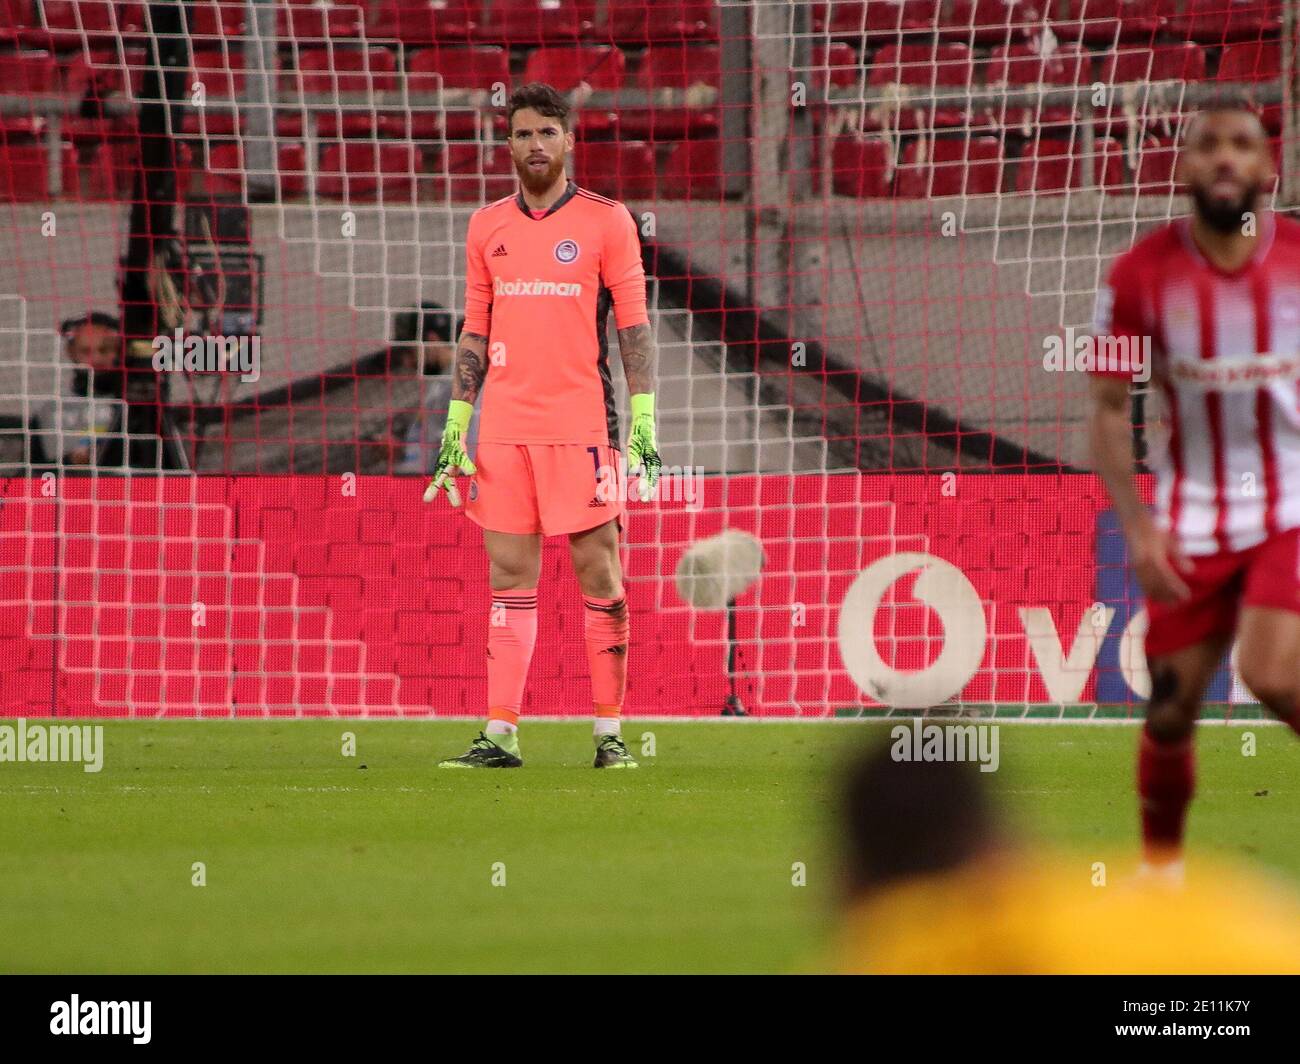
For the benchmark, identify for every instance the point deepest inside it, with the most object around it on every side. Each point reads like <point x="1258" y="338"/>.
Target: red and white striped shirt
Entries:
<point x="1226" y="361"/>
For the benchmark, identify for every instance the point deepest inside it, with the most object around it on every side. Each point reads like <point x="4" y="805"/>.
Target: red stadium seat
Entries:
<point x="660" y="20"/>
<point x="28" y="74"/>
<point x="694" y="73"/>
<point x="68" y="24"/>
<point x="360" y="169"/>
<point x="215" y="21"/>
<point x="532" y="22"/>
<point x="622" y="169"/>
<point x="478" y="69"/>
<point x="335" y="70"/>
<point x="836" y="63"/>
<point x="680" y="66"/>
<point x="1251" y="61"/>
<point x="221" y="73"/>
<point x="860" y="167"/>
<point x="291" y="168"/>
<point x="1255" y="61"/>
<point x="479" y="173"/>
<point x="1165" y="62"/>
<point x="225" y="169"/>
<point x="1050" y="165"/>
<point x="16" y="16"/>
<point x="481" y="68"/>
<point x="1219" y="21"/>
<point x="211" y="122"/>
<point x="693" y="170"/>
<point x="107" y="71"/>
<point x="1155" y="167"/>
<point x="303" y="24"/>
<point x="950" y="166"/>
<point x="601" y="66"/>
<point x="393" y="125"/>
<point x="928" y="66"/>
<point x="992" y="21"/>
<point x="1020" y="65"/>
<point x="877" y="20"/>
<point x="413" y="22"/>
<point x="24" y="161"/>
<point x="1109" y="21"/>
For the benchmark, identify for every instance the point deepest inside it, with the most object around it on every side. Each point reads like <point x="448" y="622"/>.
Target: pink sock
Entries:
<point x="512" y="633"/>
<point x="607" y="630"/>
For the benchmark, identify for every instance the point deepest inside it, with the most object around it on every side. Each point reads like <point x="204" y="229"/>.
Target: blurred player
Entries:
<point x="1218" y="296"/>
<point x="542" y="269"/>
<point x="939" y="883"/>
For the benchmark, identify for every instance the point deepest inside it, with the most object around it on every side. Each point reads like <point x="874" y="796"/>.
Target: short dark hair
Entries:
<point x="901" y="819"/>
<point x="431" y="321"/>
<point x="95" y="317"/>
<point x="1224" y="98"/>
<point x="542" y="98"/>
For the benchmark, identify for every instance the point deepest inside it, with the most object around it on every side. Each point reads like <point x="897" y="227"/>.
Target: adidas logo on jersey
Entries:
<point x="499" y="251"/>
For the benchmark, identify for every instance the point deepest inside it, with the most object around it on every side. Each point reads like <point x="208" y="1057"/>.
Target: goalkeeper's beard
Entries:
<point x="538" y="183"/>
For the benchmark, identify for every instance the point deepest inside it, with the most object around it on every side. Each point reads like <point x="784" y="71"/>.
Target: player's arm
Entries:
<point x="468" y="373"/>
<point x="636" y="345"/>
<point x="470" y="369"/>
<point x="625" y="277"/>
<point x="1155" y="556"/>
<point x="1154" y="552"/>
<point x="467" y="378"/>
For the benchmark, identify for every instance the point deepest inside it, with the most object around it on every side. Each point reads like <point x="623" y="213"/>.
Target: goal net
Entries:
<point x="234" y="276"/>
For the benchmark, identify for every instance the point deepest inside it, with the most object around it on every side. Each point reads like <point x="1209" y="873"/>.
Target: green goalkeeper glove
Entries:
<point x="452" y="459"/>
<point x="642" y="449"/>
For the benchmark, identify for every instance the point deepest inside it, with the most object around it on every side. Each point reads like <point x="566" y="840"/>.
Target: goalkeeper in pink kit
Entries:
<point x="543" y="268"/>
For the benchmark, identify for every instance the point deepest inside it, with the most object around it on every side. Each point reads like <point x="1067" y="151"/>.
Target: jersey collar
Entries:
<point x="1263" y="245"/>
<point x="570" y="190"/>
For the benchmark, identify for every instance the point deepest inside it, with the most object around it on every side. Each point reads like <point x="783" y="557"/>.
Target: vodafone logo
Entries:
<point x="1063" y="662"/>
<point x="943" y="588"/>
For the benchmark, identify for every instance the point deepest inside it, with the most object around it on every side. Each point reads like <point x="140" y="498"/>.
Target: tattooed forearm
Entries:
<point x="637" y="346"/>
<point x="471" y="367"/>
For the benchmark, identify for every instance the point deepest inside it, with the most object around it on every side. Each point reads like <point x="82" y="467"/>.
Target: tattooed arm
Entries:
<point x="471" y="367"/>
<point x="637" y="346"/>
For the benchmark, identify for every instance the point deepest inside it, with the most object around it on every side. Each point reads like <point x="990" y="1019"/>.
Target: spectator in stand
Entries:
<point x="83" y="425"/>
<point x="425" y="341"/>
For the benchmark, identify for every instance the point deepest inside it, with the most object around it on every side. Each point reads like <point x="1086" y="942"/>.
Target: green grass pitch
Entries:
<point x="317" y="862"/>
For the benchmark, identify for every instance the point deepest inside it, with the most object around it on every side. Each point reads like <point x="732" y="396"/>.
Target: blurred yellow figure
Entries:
<point x="999" y="915"/>
<point x="936" y="886"/>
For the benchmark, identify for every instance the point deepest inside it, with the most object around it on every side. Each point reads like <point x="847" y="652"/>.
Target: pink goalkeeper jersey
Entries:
<point x="540" y="290"/>
<point x="1226" y="360"/>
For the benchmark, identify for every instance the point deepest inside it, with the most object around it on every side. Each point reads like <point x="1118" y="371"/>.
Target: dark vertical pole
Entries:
<point x="152" y="233"/>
